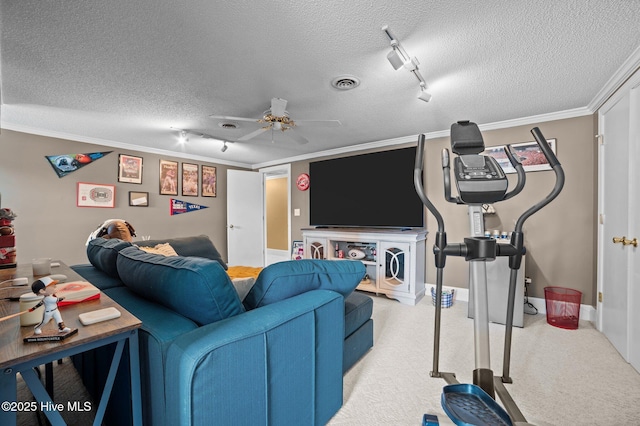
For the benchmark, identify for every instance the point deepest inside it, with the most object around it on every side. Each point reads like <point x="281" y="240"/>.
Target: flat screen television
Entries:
<point x="368" y="190"/>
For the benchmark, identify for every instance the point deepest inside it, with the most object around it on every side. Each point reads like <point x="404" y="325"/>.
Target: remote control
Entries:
<point x="99" y="315"/>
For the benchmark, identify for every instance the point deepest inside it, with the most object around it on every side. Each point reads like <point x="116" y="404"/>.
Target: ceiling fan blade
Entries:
<point x="318" y="123"/>
<point x="291" y="134"/>
<point x="253" y="134"/>
<point x="226" y="117"/>
<point x="278" y="106"/>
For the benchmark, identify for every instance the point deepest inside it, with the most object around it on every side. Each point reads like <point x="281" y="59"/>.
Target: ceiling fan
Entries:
<point x="277" y="118"/>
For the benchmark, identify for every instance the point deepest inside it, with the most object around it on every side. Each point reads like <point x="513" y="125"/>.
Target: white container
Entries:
<point x="41" y="266"/>
<point x="28" y="301"/>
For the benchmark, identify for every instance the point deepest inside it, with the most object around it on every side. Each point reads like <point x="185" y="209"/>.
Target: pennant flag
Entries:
<point x="64" y="164"/>
<point x="178" y="207"/>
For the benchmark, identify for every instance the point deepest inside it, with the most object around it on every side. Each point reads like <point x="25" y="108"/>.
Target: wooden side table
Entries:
<point x="18" y="357"/>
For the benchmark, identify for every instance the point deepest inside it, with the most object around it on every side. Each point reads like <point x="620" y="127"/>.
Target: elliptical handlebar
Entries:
<point x="544" y="146"/>
<point x="446" y="175"/>
<point x="557" y="168"/>
<point x="417" y="181"/>
<point x="522" y="176"/>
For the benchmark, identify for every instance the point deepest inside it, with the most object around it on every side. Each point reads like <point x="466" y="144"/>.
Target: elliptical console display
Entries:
<point x="479" y="178"/>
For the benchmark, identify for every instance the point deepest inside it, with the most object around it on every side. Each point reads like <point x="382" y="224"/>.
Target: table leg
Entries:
<point x="48" y="378"/>
<point x="8" y="395"/>
<point x="51" y="410"/>
<point x="134" y="367"/>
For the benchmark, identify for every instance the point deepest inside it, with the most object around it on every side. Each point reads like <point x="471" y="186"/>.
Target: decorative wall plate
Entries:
<point x="302" y="182"/>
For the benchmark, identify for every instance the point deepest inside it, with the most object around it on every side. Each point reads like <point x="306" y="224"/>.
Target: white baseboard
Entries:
<point x="587" y="312"/>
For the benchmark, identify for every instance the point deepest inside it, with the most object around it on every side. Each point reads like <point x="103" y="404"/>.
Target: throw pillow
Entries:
<point x="286" y="279"/>
<point x="194" y="287"/>
<point x="163" y="249"/>
<point x="103" y="253"/>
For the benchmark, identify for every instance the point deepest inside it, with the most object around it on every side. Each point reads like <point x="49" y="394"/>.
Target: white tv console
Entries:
<point x="394" y="258"/>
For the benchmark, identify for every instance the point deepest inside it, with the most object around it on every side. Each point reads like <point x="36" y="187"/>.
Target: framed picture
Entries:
<point x="138" y="199"/>
<point x="530" y="155"/>
<point x="190" y="179"/>
<point x="96" y="195"/>
<point x="209" y="180"/>
<point x="168" y="177"/>
<point x="129" y="169"/>
<point x="297" y="250"/>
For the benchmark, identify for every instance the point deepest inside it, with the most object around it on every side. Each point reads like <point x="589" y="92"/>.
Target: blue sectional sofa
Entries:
<point x="206" y="357"/>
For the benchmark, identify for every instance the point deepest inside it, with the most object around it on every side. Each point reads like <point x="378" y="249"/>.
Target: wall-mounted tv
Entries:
<point x="367" y="190"/>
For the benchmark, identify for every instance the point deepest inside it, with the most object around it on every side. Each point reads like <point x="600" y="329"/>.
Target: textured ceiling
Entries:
<point x="123" y="73"/>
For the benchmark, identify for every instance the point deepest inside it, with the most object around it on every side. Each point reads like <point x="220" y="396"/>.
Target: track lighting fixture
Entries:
<point x="398" y="58"/>
<point x="183" y="135"/>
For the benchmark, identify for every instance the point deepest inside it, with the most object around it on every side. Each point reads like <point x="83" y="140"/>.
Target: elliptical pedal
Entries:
<point x="468" y="405"/>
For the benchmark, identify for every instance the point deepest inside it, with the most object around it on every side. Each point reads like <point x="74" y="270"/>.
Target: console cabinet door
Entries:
<point x="394" y="263"/>
<point x="316" y="248"/>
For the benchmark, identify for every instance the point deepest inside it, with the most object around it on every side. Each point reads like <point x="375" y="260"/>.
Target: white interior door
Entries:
<point x="245" y="218"/>
<point x="618" y="278"/>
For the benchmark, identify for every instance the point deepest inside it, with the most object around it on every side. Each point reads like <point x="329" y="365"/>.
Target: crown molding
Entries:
<point x="118" y="145"/>
<point x="541" y="118"/>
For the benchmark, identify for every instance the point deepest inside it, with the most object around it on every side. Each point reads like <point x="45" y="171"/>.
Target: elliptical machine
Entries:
<point x="480" y="180"/>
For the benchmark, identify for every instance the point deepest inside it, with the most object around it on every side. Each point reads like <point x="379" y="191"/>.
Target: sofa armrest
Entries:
<point x="278" y="364"/>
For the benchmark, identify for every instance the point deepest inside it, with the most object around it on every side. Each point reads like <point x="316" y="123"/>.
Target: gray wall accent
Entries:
<point x="49" y="224"/>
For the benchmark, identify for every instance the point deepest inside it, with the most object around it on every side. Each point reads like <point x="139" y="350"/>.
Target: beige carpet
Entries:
<point x="561" y="377"/>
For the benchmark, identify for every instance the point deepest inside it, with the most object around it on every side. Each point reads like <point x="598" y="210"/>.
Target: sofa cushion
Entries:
<point x="358" y="308"/>
<point x="194" y="287"/>
<point x="200" y="246"/>
<point x="286" y="279"/>
<point x="103" y="253"/>
<point x="97" y="277"/>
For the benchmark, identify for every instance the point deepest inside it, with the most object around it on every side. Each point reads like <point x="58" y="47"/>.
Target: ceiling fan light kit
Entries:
<point x="277" y="118"/>
<point x="399" y="58"/>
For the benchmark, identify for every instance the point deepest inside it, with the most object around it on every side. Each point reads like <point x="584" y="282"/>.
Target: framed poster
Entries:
<point x="96" y="195"/>
<point x="531" y="156"/>
<point x="129" y="169"/>
<point x="168" y="177"/>
<point x="208" y="180"/>
<point x="138" y="199"/>
<point x="190" y="179"/>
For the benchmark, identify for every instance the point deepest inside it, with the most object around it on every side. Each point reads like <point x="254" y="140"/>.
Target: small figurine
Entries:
<point x="46" y="287"/>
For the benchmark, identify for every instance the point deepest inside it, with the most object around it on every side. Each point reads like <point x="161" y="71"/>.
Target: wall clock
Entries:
<point x="302" y="182"/>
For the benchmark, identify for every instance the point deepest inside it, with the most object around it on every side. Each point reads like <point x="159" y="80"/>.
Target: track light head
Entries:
<point x="424" y="96"/>
<point x="395" y="59"/>
<point x="183" y="136"/>
<point x="224" y="147"/>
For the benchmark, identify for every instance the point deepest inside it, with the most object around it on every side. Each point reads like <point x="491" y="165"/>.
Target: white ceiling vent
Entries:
<point x="345" y="82"/>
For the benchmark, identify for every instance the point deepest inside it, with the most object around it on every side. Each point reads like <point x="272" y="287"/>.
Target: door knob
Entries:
<point x="625" y="241"/>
